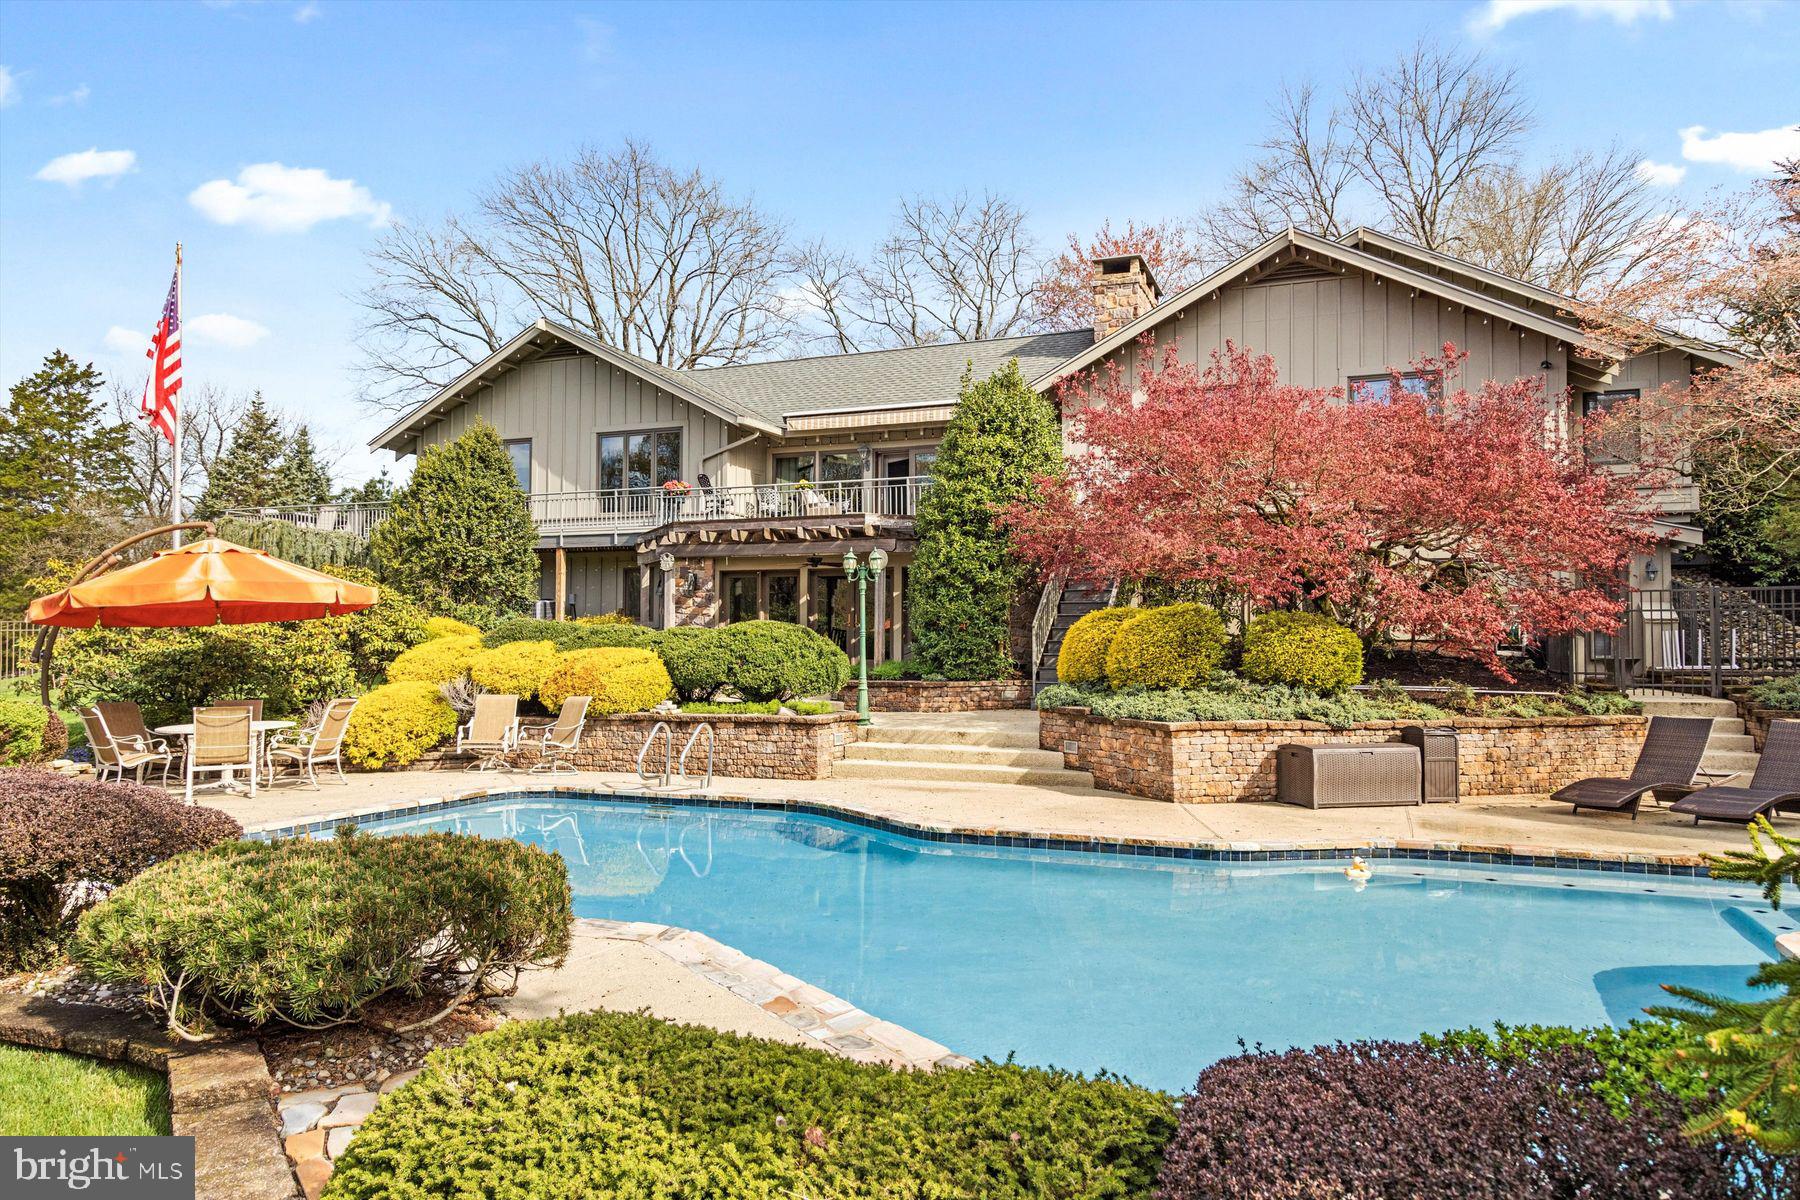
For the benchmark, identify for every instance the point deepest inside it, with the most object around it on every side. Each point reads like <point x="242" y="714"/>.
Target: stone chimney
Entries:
<point x="1124" y="290"/>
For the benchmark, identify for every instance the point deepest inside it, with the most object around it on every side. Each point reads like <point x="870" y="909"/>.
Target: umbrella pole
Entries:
<point x="45" y="645"/>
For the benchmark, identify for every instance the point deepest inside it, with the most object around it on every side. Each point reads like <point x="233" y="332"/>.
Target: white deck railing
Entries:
<point x="357" y="520"/>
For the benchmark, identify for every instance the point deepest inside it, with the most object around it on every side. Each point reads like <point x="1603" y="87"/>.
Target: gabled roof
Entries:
<point x="907" y="377"/>
<point x="532" y="341"/>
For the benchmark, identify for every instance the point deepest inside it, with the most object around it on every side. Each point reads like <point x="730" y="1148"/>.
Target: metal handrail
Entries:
<point x="668" y="754"/>
<point x="706" y="728"/>
<point x="1043" y="622"/>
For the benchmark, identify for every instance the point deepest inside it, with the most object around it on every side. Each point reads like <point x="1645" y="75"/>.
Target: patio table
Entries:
<point x="257" y="729"/>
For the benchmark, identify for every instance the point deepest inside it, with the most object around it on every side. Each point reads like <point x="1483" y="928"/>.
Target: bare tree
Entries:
<point x="208" y="415"/>
<point x="827" y="285"/>
<point x="1303" y="178"/>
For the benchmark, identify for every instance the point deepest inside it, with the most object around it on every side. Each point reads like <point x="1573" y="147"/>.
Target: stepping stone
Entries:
<point x="351" y="1110"/>
<point x="339" y="1140"/>
<point x="297" y="1118"/>
<point x="310" y="1144"/>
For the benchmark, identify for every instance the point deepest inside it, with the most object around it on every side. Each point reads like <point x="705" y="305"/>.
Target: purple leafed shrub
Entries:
<point x="64" y="841"/>
<point x="1384" y="1120"/>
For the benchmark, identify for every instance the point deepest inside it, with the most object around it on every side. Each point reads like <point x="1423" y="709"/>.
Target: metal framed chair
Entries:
<point x="492" y="731"/>
<point x="562" y="738"/>
<point x="119" y="756"/>
<point x="323" y="743"/>
<point x="125" y="725"/>
<point x="223" y="742"/>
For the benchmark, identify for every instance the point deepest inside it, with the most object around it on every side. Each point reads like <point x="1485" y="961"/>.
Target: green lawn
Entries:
<point x="43" y="1093"/>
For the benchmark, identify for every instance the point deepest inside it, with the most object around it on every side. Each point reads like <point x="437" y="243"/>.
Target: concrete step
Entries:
<point x="1739" y="742"/>
<point x="1728" y="760"/>
<point x="951" y="735"/>
<point x="945" y="772"/>
<point x="1685" y="706"/>
<point x="938" y="752"/>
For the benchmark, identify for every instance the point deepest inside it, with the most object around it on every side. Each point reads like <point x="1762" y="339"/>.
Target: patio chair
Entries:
<point x="1775" y="784"/>
<point x="222" y="743"/>
<point x="255" y="706"/>
<point x="1671" y="754"/>
<point x="562" y="738"/>
<point x="110" y="754"/>
<point x="305" y="749"/>
<point x="492" y="731"/>
<point x="125" y="724"/>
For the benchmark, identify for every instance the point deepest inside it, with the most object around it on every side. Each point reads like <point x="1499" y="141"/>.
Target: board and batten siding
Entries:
<point x="564" y="402"/>
<point x="597" y="580"/>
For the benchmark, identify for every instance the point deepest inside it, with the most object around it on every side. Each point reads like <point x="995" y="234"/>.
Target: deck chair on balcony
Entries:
<point x="492" y="732"/>
<point x="323" y="743"/>
<point x="562" y="738"/>
<point x="707" y="501"/>
<point x="118" y="757"/>
<point x="1775" y="785"/>
<point x="224" y="743"/>
<point x="1665" y="766"/>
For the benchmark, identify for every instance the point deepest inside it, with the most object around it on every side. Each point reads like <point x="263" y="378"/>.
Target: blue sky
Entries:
<point x="824" y="113"/>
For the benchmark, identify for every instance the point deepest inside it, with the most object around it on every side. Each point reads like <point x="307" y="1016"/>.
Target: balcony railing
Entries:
<point x="628" y="510"/>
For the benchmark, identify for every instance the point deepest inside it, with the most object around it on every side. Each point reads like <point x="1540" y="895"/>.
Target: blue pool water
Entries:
<point x="1149" y="967"/>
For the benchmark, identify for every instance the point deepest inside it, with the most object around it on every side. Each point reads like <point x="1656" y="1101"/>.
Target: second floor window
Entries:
<point x="1618" y="444"/>
<point x="640" y="460"/>
<point x="519" y="450"/>
<point x="1379" y="389"/>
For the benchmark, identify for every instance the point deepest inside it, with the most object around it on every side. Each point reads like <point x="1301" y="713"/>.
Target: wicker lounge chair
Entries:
<point x="323" y="743"/>
<point x="119" y="755"/>
<point x="492" y="731"/>
<point x="125" y="724"/>
<point x="223" y="742"/>
<point x="1776" y="783"/>
<point x="562" y="738"/>
<point x="1666" y="765"/>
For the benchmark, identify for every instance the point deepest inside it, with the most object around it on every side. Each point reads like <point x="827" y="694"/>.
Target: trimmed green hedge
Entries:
<point x="773" y="660"/>
<point x="1174" y="645"/>
<point x="1304" y="649"/>
<point x="22" y="725"/>
<point x="567" y="635"/>
<point x="697" y="658"/>
<point x="1636" y="1060"/>
<point x="618" y="1105"/>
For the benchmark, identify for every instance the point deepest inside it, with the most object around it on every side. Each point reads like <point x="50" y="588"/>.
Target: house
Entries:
<point x="719" y="495"/>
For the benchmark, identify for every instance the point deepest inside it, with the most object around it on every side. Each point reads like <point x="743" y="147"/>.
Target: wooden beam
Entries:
<point x="562" y="583"/>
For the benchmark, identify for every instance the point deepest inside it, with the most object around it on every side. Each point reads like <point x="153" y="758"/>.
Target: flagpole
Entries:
<point x="175" y="444"/>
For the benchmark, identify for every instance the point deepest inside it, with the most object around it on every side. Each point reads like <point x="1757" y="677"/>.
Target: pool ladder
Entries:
<point x="674" y="773"/>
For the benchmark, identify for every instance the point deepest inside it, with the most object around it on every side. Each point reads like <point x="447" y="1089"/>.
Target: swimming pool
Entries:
<point x="1151" y="967"/>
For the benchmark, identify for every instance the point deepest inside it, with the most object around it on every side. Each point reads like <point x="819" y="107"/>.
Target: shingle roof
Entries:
<point x="882" y="378"/>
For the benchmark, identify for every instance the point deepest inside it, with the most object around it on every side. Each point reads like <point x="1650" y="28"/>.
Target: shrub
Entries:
<point x="60" y="835"/>
<point x="800" y="708"/>
<point x="567" y="635"/>
<point x="309" y="932"/>
<point x="1304" y="649"/>
<point x="1176" y="645"/>
<point x="1227" y="698"/>
<point x="1782" y="695"/>
<point x="611" y="618"/>
<point x="622" y="1104"/>
<point x="1398" y="1119"/>
<point x="773" y="660"/>
<point x="437" y="661"/>
<point x="396" y="723"/>
<point x="696" y="657"/>
<point x="1635" y="1062"/>
<point x="897" y="668"/>
<point x="23" y="722"/>
<point x="379" y="634"/>
<point x="1082" y="658"/>
<point x="515" y="669"/>
<point x="442" y="627"/>
<point x="619" y="679"/>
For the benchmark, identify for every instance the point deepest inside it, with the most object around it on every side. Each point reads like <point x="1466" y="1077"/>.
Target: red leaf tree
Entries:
<point x="1446" y="519"/>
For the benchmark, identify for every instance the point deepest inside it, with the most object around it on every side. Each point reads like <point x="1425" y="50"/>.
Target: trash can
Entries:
<point x="1438" y="763"/>
<point x="1347" y="776"/>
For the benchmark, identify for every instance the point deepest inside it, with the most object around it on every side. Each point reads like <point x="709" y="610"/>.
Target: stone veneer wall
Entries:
<point x="1757" y="718"/>
<point x="1207" y="762"/>
<point x="758" y="746"/>
<point x="942" y="695"/>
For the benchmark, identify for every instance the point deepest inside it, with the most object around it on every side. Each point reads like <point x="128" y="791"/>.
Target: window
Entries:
<point x="792" y="468"/>
<point x="640" y="460"/>
<point x="1618" y="444"/>
<point x="840" y="466"/>
<point x="784" y="598"/>
<point x="631" y="600"/>
<point x="923" y="461"/>
<point x="1378" y="389"/>
<point x="740" y="596"/>
<point x="519" y="450"/>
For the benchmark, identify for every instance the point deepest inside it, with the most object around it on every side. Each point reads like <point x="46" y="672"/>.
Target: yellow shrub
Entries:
<point x="515" y="669"/>
<point x="1174" y="646"/>
<point x="1082" y="658"/>
<point x="611" y="618"/>
<point x="1304" y="649"/>
<point x="396" y="723"/>
<point x="438" y="661"/>
<point x="620" y="680"/>
<point x="439" y="627"/>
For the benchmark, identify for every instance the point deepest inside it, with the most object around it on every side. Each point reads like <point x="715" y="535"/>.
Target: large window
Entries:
<point x="640" y="460"/>
<point x="840" y="466"/>
<point x="792" y="468"/>
<point x="1618" y="444"/>
<point x="756" y="595"/>
<point x="1379" y="389"/>
<point x="740" y="596"/>
<point x="519" y="450"/>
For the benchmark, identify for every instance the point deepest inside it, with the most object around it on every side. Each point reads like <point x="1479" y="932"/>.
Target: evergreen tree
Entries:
<point x="964" y="580"/>
<point x="379" y="490"/>
<point x="302" y="478"/>
<point x="64" y="472"/>
<point x="460" y="534"/>
<point x="247" y="475"/>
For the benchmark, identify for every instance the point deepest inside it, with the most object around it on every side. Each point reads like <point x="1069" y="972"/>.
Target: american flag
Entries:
<point x="165" y="358"/>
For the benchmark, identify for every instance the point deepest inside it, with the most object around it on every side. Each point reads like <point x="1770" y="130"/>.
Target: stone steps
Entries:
<point x="889" y="771"/>
<point x="963" y="753"/>
<point x="1730" y="750"/>
<point x="1669" y="704"/>
<point x="950" y="735"/>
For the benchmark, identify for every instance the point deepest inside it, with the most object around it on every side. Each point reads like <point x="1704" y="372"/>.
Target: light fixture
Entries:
<point x="878" y="560"/>
<point x="666" y="561"/>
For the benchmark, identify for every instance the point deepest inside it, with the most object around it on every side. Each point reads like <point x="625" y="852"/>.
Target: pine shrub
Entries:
<point x="1176" y="645"/>
<point x="697" y="658"/>
<point x="1304" y="649"/>
<point x="773" y="660"/>
<point x="23" y="723"/>
<point x="1082" y="658"/>
<point x="620" y="679"/>
<point x="397" y="723"/>
<point x="436" y="661"/>
<point x="310" y="932"/>
<point x="622" y="1104"/>
<point x="515" y="669"/>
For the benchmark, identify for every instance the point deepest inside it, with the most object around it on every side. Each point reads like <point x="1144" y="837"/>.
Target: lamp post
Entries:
<point x="863" y="575"/>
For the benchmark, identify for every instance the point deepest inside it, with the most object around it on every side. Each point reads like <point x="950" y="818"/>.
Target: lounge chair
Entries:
<point x="1666" y="765"/>
<point x="323" y="743"/>
<point x="125" y="723"/>
<point x="562" y="738"/>
<point x="1775" y="784"/>
<point x="492" y="731"/>
<point x="121" y="755"/>
<point x="222" y="742"/>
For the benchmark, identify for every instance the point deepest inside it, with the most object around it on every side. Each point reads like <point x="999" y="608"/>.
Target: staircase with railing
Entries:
<point x="1071" y="602"/>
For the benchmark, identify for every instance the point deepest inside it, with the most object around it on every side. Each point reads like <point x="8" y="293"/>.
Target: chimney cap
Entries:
<point x="1121" y="264"/>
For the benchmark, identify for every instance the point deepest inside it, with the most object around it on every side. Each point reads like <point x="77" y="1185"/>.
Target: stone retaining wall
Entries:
<point x="1207" y="762"/>
<point x="758" y="746"/>
<point x="942" y="695"/>
<point x="1757" y="718"/>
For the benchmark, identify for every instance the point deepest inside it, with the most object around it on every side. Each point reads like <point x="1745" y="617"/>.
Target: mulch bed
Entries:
<point x="1412" y="669"/>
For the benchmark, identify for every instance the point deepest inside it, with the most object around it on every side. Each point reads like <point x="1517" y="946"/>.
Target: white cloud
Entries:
<point x="75" y="169"/>
<point x="278" y="199"/>
<point x="78" y="96"/>
<point x="223" y="329"/>
<point x="1495" y="15"/>
<point x="126" y="341"/>
<point x="307" y="13"/>
<point x="1660" y="174"/>
<point x="1744" y="151"/>
<point x="9" y="87"/>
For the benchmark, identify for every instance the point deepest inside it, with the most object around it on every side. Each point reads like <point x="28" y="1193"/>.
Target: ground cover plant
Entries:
<point x="802" y="708"/>
<point x="615" y="1104"/>
<point x="64" y="840"/>
<point x="1228" y="698"/>
<point x="311" y="932"/>
<point x="1782" y="695"/>
<point x="45" y="1094"/>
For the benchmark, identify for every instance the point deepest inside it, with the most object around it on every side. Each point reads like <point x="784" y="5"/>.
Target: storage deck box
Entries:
<point x="1348" y="776"/>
